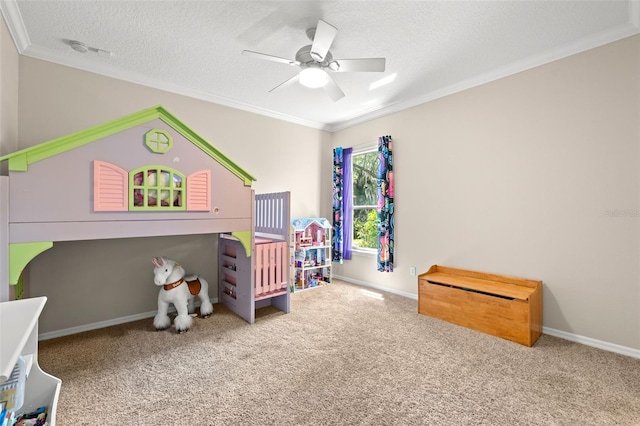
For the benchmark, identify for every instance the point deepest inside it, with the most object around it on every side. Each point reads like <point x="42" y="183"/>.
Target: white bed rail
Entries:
<point x="272" y="214"/>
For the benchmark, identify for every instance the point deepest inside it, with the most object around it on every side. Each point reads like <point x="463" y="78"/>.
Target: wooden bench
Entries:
<point x="507" y="307"/>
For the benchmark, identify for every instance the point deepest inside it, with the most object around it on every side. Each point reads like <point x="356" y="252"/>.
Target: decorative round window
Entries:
<point x="158" y="141"/>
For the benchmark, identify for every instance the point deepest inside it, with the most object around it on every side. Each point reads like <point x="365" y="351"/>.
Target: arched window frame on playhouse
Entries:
<point x="143" y="186"/>
<point x="113" y="188"/>
<point x="158" y="141"/>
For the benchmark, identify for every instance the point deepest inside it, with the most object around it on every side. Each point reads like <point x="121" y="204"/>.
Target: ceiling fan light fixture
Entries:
<point x="313" y="77"/>
<point x="316" y="62"/>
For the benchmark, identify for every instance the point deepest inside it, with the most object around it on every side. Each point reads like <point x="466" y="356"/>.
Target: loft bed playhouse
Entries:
<point x="146" y="174"/>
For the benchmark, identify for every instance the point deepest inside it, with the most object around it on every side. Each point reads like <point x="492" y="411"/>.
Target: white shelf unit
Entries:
<point x="311" y="253"/>
<point x="19" y="336"/>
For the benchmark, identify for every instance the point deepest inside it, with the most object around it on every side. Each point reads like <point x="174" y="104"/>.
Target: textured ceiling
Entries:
<point x="434" y="47"/>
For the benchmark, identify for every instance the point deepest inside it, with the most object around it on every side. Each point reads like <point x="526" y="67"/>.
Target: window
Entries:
<point x="363" y="203"/>
<point x="158" y="141"/>
<point x="364" y="166"/>
<point x="156" y="188"/>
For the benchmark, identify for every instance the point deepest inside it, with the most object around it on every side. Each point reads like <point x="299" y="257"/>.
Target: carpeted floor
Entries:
<point x="341" y="357"/>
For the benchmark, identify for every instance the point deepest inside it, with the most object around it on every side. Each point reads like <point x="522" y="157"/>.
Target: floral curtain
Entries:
<point x="338" y="213"/>
<point x="347" y="204"/>
<point x="385" y="205"/>
<point x="342" y="205"/>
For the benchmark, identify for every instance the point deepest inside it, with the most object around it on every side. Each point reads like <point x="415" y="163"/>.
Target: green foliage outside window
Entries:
<point x="365" y="199"/>
<point x="365" y="227"/>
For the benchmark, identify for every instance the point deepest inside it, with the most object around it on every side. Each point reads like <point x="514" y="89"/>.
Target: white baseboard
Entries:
<point x="377" y="287"/>
<point x="611" y="347"/>
<point x="600" y="344"/>
<point x="107" y="323"/>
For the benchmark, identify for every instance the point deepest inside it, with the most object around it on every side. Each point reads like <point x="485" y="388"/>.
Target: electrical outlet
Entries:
<point x="412" y="270"/>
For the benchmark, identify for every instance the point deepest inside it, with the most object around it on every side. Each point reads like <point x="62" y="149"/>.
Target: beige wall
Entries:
<point x="8" y="95"/>
<point x="85" y="280"/>
<point x="534" y="175"/>
<point x="8" y="133"/>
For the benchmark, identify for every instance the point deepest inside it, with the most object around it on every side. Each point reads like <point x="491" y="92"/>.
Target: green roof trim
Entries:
<point x="18" y="163"/>
<point x="20" y="160"/>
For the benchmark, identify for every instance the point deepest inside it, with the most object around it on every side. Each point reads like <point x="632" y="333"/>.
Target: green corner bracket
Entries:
<point x="245" y="239"/>
<point x="18" y="290"/>
<point x="20" y="254"/>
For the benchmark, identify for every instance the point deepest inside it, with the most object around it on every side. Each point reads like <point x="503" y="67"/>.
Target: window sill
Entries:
<point x="364" y="252"/>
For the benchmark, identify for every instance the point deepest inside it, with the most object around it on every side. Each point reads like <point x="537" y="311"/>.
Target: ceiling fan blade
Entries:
<point x="325" y="33"/>
<point x="270" y="57"/>
<point x="332" y="89"/>
<point x="285" y="83"/>
<point x="361" y="65"/>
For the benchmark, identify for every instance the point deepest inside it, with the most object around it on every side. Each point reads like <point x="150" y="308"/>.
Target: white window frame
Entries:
<point x="362" y="251"/>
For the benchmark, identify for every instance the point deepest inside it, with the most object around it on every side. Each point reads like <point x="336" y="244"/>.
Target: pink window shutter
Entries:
<point x="110" y="187"/>
<point x="199" y="191"/>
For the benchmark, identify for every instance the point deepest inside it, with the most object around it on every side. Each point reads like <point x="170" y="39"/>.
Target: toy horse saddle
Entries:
<point x="194" y="285"/>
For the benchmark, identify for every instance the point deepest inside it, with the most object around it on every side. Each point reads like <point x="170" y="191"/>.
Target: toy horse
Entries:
<point x="179" y="290"/>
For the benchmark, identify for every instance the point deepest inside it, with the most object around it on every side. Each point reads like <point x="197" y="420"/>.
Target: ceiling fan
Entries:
<point x="315" y="60"/>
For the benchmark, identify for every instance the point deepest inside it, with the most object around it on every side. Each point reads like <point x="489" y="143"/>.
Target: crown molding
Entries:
<point x="17" y="29"/>
<point x="13" y="18"/>
<point x="108" y="71"/>
<point x="587" y="43"/>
